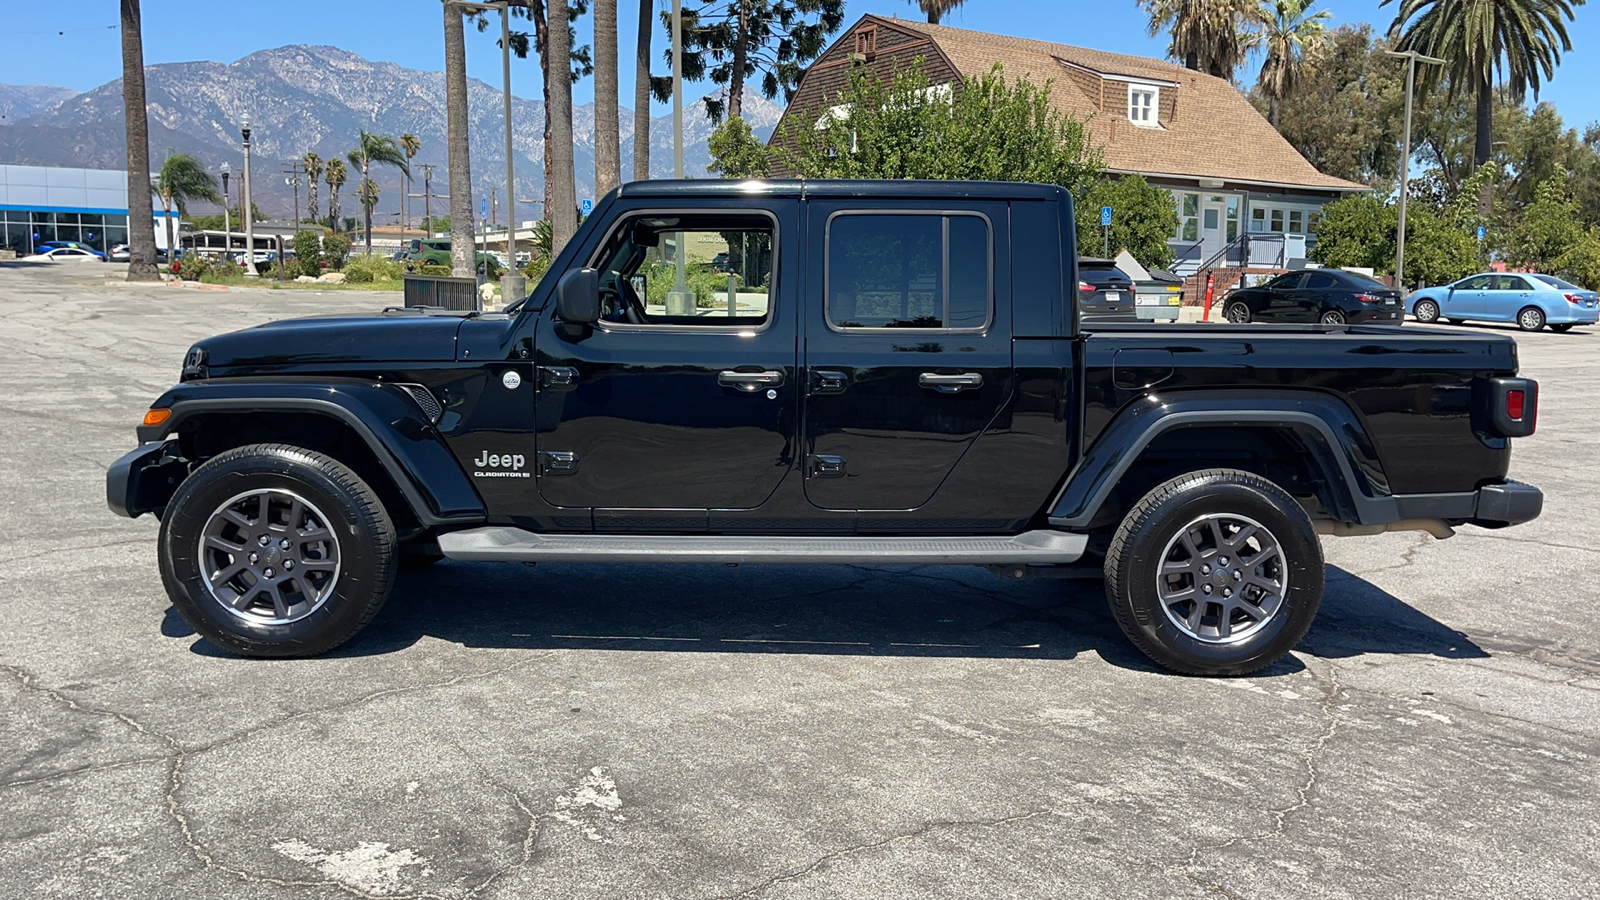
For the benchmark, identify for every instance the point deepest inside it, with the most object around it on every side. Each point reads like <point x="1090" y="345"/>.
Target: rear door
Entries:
<point x="1511" y="294"/>
<point x="907" y="352"/>
<point x="1315" y="296"/>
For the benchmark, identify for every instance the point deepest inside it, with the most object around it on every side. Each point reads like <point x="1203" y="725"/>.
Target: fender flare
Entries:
<point x="1330" y="430"/>
<point x="394" y="428"/>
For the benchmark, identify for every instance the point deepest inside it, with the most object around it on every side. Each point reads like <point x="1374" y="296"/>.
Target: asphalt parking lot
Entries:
<point x="708" y="732"/>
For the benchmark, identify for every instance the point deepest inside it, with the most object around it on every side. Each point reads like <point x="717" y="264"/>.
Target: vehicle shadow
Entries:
<point x="837" y="610"/>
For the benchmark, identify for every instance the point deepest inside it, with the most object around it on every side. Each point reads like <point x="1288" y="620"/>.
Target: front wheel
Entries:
<point x="1215" y="572"/>
<point x="1531" y="318"/>
<point x="270" y="550"/>
<point x="1426" y="311"/>
<point x="1332" y="317"/>
<point x="1238" y="313"/>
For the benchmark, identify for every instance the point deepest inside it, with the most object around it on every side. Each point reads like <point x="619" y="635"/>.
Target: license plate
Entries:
<point x="1113" y="297"/>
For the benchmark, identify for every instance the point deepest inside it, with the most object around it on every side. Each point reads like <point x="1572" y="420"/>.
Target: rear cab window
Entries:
<point x="909" y="270"/>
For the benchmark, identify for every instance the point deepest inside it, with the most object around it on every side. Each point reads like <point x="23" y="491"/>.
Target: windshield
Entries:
<point x="1558" y="283"/>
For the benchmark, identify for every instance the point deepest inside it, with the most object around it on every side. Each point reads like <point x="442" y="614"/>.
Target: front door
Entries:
<point x="907" y="348"/>
<point x="685" y="396"/>
<point x="1213" y="216"/>
<point x="1470" y="298"/>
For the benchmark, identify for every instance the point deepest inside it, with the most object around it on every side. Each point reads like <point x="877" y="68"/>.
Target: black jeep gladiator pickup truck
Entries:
<point x="817" y="372"/>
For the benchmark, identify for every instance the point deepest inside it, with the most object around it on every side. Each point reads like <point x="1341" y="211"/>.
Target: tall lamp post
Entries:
<point x="227" y="218"/>
<point x="1411" y="57"/>
<point x="249" y="219"/>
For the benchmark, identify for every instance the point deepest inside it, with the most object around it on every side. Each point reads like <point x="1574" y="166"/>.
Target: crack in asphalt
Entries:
<point x="930" y="827"/>
<point x="178" y="756"/>
<point x="1310" y="760"/>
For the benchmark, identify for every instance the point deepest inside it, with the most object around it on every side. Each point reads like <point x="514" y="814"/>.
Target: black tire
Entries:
<point x="1530" y="318"/>
<point x="1333" y="317"/>
<point x="331" y="609"/>
<point x="1562" y="329"/>
<point x="1152" y="534"/>
<point x="1426" y="311"/>
<point x="1237" y="312"/>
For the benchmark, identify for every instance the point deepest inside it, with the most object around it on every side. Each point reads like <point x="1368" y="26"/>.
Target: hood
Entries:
<point x="333" y="339"/>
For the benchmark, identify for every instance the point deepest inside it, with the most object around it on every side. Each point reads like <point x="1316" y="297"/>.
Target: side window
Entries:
<point x="1286" y="282"/>
<point x="1478" y="283"/>
<point x="1513" y="283"/>
<point x="909" y="271"/>
<point x="688" y="269"/>
<point x="1319" y="281"/>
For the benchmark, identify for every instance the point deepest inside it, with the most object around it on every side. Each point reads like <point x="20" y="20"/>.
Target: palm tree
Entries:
<point x="141" y="218"/>
<point x="641" y="92"/>
<point x="460" y="155"/>
<point x="312" y="163"/>
<point x="182" y="179"/>
<point x="1206" y="35"/>
<point x="1287" y="30"/>
<point x="607" y="141"/>
<point x="411" y="144"/>
<point x="936" y="9"/>
<point x="374" y="148"/>
<point x="1521" y="40"/>
<point x="563" y="204"/>
<point x="367" y="193"/>
<point x="335" y="177"/>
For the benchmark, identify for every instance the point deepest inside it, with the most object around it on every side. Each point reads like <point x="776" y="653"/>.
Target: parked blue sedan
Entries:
<point x="1531" y="301"/>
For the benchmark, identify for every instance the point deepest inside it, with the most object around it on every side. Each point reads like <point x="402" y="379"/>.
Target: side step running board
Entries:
<point x="516" y="545"/>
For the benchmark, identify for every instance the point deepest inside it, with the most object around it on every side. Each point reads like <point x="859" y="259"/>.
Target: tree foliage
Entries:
<point x="985" y="129"/>
<point x="731" y="41"/>
<point x="1286" y="30"/>
<point x="1441" y="239"/>
<point x="1206" y="35"/>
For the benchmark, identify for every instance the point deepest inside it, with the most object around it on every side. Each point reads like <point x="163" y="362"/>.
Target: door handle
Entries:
<point x="749" y="382"/>
<point x="829" y="381"/>
<point x="950" y="384"/>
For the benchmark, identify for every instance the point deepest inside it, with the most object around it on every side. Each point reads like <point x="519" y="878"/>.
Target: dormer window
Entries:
<point x="1144" y="103"/>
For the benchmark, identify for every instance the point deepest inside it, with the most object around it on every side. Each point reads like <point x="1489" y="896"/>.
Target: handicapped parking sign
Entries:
<point x="588" y="206"/>
<point x="1480" y="232"/>
<point x="1105" y="215"/>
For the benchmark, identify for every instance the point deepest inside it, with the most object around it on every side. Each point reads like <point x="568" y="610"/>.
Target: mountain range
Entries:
<point x="304" y="98"/>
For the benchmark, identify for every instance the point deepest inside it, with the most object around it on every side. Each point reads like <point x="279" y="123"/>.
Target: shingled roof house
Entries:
<point x="1244" y="196"/>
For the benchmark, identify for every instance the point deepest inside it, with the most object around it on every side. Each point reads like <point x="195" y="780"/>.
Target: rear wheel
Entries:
<point x="1216" y="572"/>
<point x="270" y="550"/>
<point x="1332" y="317"/>
<point x="1531" y="318"/>
<point x="1238" y="312"/>
<point x="1562" y="329"/>
<point x="1426" y="311"/>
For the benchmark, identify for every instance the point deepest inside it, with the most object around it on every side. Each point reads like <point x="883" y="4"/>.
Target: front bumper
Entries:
<point x="144" y="479"/>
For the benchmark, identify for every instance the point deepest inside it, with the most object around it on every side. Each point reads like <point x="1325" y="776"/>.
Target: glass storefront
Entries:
<point x="23" y="230"/>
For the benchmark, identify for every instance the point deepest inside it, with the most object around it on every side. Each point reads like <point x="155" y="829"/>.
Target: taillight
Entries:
<point x="1515" y="409"/>
<point x="1366" y="298"/>
<point x="1573" y="298"/>
<point x="1086" y="287"/>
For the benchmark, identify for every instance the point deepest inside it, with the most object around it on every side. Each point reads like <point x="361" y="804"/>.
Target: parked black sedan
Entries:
<point x="1105" y="292"/>
<point x="1329" y="296"/>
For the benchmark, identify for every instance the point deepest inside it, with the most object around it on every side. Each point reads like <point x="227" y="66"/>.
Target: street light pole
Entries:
<point x="249" y="219"/>
<point x="1411" y="57"/>
<point x="227" y="223"/>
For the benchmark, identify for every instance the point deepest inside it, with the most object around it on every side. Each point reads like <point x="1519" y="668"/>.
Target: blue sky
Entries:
<point x="408" y="32"/>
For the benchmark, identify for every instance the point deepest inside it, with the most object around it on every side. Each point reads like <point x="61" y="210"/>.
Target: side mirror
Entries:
<point x="578" y="297"/>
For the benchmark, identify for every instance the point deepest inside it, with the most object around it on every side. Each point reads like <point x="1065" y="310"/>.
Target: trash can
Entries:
<point x="1157" y="301"/>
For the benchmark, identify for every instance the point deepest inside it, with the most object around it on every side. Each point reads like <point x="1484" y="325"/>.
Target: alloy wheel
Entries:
<point x="269" y="557"/>
<point x="1222" y="578"/>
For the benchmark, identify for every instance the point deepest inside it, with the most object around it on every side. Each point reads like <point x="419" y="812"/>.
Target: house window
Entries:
<point x="1188" y="215"/>
<point x="1143" y="101"/>
<point x="1312" y="220"/>
<point x="1297" y="221"/>
<point x="1258" y="219"/>
<point x="1277" y="220"/>
<point x="1232" y="217"/>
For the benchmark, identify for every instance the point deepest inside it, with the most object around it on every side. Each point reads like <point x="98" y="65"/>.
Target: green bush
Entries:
<point x="335" y="247"/>
<point x="367" y="269"/>
<point x="191" y="267"/>
<point x="432" y="269"/>
<point x="308" y="253"/>
<point x="535" y="269"/>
